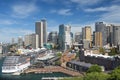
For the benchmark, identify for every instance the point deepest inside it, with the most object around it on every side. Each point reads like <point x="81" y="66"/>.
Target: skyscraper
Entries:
<point x="87" y="32"/>
<point x="87" y="36"/>
<point x="41" y="30"/>
<point x="65" y="39"/>
<point x="61" y="36"/>
<point x="110" y="34"/>
<point x="98" y="39"/>
<point x="53" y="37"/>
<point x="116" y="35"/>
<point x="44" y="30"/>
<point x="100" y="27"/>
<point x="78" y="37"/>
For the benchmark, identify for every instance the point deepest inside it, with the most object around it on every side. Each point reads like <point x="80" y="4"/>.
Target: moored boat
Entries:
<point x="15" y="64"/>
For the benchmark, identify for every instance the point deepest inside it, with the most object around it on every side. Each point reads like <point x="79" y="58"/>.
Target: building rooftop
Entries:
<point x="81" y="63"/>
<point x="46" y="56"/>
<point x="90" y="53"/>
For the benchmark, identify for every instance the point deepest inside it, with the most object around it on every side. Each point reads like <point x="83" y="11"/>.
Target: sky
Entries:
<point x="18" y="17"/>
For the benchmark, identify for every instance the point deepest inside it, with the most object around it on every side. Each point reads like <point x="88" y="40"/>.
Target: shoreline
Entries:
<point x="52" y="69"/>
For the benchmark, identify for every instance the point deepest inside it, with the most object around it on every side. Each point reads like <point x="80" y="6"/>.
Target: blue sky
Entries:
<point x="18" y="17"/>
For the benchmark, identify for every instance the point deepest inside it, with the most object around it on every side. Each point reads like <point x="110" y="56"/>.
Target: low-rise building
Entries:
<point x="109" y="62"/>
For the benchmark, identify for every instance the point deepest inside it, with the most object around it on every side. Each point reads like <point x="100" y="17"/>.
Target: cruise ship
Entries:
<point x="15" y="64"/>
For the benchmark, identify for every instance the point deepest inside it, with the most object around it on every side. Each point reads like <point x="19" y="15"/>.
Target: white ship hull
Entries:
<point x="15" y="69"/>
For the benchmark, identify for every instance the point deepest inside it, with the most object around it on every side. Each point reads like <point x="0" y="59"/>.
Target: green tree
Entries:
<point x="113" y="51"/>
<point x="77" y="54"/>
<point x="94" y="68"/>
<point x="73" y="78"/>
<point x="115" y="74"/>
<point x="58" y="63"/>
<point x="59" y="54"/>
<point x="101" y="50"/>
<point x="96" y="76"/>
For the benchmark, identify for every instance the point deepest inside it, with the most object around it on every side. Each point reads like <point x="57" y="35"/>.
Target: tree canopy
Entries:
<point x="101" y="50"/>
<point x="96" y="76"/>
<point x="94" y="68"/>
<point x="113" y="51"/>
<point x="115" y="74"/>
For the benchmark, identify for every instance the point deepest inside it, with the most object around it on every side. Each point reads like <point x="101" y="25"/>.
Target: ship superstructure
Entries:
<point x="14" y="64"/>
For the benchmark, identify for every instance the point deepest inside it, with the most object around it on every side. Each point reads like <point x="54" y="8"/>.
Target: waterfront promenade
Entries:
<point x="51" y="69"/>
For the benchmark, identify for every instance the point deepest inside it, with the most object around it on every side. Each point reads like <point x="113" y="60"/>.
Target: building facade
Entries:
<point x="110" y="34"/>
<point x="101" y="27"/>
<point x="98" y="39"/>
<point x="78" y="37"/>
<point x="32" y="40"/>
<point x="116" y="35"/>
<point x="87" y="37"/>
<point x="65" y="40"/>
<point x="41" y="30"/>
<point x="53" y="37"/>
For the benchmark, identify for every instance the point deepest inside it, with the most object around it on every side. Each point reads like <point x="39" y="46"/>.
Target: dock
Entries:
<point x="52" y="78"/>
<point x="51" y="69"/>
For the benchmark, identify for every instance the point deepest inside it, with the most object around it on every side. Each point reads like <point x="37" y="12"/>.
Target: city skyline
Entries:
<point x="17" y="18"/>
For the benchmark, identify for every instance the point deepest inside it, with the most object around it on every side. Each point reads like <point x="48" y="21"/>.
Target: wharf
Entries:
<point x="51" y="69"/>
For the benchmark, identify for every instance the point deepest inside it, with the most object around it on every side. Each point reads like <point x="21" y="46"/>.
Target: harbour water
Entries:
<point x="30" y="76"/>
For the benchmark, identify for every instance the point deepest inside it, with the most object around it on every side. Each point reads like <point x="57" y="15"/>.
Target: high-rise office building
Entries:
<point x="101" y="27"/>
<point x="83" y="33"/>
<point x="98" y="39"/>
<point x="87" y="36"/>
<point x="53" y="37"/>
<point x="41" y="30"/>
<point x="61" y="36"/>
<point x="110" y="34"/>
<point x="87" y="32"/>
<point x="32" y="40"/>
<point x="78" y="37"/>
<point x="44" y="30"/>
<point x="65" y="40"/>
<point x="116" y="35"/>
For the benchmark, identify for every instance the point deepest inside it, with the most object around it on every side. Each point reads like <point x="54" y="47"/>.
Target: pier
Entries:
<point x="51" y="69"/>
<point x="52" y="78"/>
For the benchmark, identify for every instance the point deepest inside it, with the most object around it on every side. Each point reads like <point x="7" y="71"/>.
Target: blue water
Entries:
<point x="30" y="76"/>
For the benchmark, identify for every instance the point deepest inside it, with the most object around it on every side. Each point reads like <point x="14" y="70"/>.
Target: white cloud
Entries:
<point x="23" y="10"/>
<point x="112" y="15"/>
<point x="66" y="12"/>
<point x="110" y="8"/>
<point x="8" y="33"/>
<point x="86" y="2"/>
<point x="95" y="9"/>
<point x="7" y="22"/>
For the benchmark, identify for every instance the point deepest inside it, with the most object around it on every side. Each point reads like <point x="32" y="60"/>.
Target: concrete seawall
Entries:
<point x="51" y="69"/>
